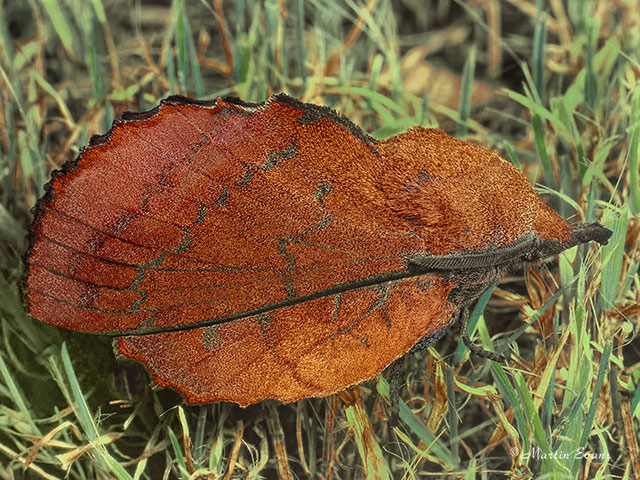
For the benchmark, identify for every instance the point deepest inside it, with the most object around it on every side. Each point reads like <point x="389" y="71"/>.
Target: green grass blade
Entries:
<point x="591" y="86"/>
<point x="612" y="256"/>
<point x="60" y="24"/>
<point x="452" y="414"/>
<point x="14" y="394"/>
<point x="512" y="155"/>
<point x="635" y="400"/>
<point x="474" y="316"/>
<point x="175" y="445"/>
<point x="541" y="147"/>
<point x="531" y="414"/>
<point x="539" y="54"/>
<point x="194" y="66"/>
<point x="302" y="46"/>
<point x="416" y="425"/>
<point x="633" y="153"/>
<point x="81" y="408"/>
<point x="464" y="107"/>
<point x="512" y="398"/>
<point x="602" y="371"/>
<point x="515" y="335"/>
<point x="181" y="42"/>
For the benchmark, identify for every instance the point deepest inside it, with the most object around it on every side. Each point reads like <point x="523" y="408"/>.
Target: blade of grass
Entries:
<point x="452" y="414"/>
<point x="376" y="98"/>
<point x="62" y="106"/>
<point x="144" y="460"/>
<point x="92" y="59"/>
<point x="511" y="153"/>
<point x="508" y="392"/>
<point x="531" y="414"/>
<point x="179" y="21"/>
<point x="590" y="83"/>
<point x="359" y="424"/>
<point x="473" y="322"/>
<point x="539" y="44"/>
<point x="192" y="55"/>
<point x="515" y="335"/>
<point x="588" y="423"/>
<point x="14" y="394"/>
<point x="186" y="439"/>
<point x="89" y="427"/>
<point x="541" y="147"/>
<point x="60" y="24"/>
<point x="464" y="107"/>
<point x="633" y="153"/>
<point x="417" y="426"/>
<point x="529" y="103"/>
<point x="179" y="456"/>
<point x="81" y="409"/>
<point x="612" y="254"/>
<point x="302" y="46"/>
<point x="635" y="401"/>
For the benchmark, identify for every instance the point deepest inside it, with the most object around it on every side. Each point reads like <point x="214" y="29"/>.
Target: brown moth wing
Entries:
<point x="196" y="212"/>
<point x="251" y="251"/>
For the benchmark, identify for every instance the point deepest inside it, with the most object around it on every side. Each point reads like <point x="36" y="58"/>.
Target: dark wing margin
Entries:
<point x="317" y="113"/>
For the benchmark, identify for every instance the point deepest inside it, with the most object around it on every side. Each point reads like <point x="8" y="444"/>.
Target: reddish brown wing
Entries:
<point x="282" y="219"/>
<point x="195" y="212"/>
<point x="200" y="212"/>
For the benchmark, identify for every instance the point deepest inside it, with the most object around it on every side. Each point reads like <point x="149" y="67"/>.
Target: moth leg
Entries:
<point x="473" y="348"/>
<point x="394" y="392"/>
